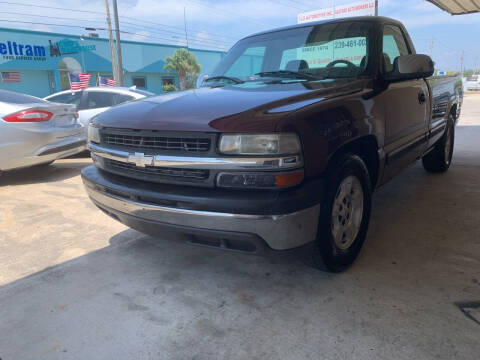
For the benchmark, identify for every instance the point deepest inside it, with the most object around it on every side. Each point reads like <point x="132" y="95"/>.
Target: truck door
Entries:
<point x="407" y="108"/>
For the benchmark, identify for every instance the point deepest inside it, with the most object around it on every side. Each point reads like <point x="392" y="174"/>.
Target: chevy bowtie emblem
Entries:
<point x="140" y="159"/>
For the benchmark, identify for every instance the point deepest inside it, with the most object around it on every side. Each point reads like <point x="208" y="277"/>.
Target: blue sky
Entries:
<point x="218" y="24"/>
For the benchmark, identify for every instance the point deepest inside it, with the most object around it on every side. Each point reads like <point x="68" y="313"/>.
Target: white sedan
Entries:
<point x="94" y="100"/>
<point x="36" y="132"/>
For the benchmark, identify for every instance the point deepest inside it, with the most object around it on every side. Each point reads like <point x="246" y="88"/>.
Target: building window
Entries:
<point x="139" y="82"/>
<point x="167" y="81"/>
<point x="68" y="65"/>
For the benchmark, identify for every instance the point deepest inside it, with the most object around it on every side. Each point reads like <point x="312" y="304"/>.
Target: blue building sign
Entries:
<point x="44" y="61"/>
<point x="16" y="51"/>
<point x="65" y="47"/>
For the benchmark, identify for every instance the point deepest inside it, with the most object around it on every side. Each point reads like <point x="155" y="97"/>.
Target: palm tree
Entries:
<point x="185" y="64"/>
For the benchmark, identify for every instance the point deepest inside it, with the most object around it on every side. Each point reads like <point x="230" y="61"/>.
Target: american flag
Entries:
<point x="104" y="81"/>
<point x="79" y="81"/>
<point x="10" y="76"/>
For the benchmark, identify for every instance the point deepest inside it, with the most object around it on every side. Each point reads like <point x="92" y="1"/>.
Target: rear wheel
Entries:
<point x="440" y="158"/>
<point x="344" y="216"/>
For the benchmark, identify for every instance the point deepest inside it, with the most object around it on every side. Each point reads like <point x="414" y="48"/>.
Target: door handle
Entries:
<point x="421" y="97"/>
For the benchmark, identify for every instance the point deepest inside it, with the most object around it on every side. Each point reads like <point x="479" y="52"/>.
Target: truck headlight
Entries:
<point x="93" y="133"/>
<point x="260" y="144"/>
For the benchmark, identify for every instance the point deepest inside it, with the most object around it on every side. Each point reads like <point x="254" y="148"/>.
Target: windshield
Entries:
<point x="326" y="51"/>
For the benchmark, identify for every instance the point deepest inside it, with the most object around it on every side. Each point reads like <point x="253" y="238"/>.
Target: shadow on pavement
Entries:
<point x="82" y="155"/>
<point x="163" y="291"/>
<point x="164" y="299"/>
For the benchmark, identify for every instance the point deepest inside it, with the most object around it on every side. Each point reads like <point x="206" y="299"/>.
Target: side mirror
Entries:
<point x="201" y="79"/>
<point x="408" y="67"/>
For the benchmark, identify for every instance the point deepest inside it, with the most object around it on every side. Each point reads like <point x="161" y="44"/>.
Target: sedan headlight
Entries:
<point x="260" y="144"/>
<point x="93" y="133"/>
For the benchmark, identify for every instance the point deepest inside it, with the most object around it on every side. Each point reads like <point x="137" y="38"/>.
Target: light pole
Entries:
<point x="119" y="45"/>
<point x="112" y="45"/>
<point x="83" y="55"/>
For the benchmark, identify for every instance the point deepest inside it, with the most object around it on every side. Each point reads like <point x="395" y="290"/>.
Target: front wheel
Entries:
<point x="440" y="158"/>
<point x="344" y="216"/>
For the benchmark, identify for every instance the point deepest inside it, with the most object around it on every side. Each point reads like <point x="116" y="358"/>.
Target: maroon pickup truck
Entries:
<point x="282" y="145"/>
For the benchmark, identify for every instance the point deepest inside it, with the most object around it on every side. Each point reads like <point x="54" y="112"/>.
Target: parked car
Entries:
<point x="472" y="83"/>
<point x="34" y="131"/>
<point x="94" y="100"/>
<point x="283" y="145"/>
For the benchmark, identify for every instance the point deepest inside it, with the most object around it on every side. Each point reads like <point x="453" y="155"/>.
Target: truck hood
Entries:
<point x="243" y="107"/>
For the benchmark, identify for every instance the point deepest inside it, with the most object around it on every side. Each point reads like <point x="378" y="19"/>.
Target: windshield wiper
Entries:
<point x="223" y="77"/>
<point x="288" y="73"/>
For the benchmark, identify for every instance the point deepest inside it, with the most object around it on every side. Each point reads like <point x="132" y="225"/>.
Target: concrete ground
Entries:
<point x="75" y="284"/>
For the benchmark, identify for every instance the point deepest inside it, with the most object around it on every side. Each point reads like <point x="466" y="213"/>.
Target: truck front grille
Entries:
<point x="189" y="144"/>
<point x="156" y="142"/>
<point x="154" y="174"/>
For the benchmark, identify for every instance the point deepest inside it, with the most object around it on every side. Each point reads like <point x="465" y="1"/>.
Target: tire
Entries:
<point x="439" y="159"/>
<point x="344" y="216"/>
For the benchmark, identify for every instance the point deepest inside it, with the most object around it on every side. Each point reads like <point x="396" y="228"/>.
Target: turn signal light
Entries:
<point x="259" y="180"/>
<point x="29" y="116"/>
<point x="289" y="179"/>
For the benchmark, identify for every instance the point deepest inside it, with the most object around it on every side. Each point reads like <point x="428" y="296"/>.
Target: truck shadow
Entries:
<point x="140" y="288"/>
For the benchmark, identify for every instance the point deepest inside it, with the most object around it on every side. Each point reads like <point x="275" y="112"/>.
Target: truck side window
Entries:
<point x="250" y="62"/>
<point x="394" y="45"/>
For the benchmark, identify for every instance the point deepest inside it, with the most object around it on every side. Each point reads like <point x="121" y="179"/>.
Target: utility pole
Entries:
<point x="376" y="7"/>
<point x="119" y="45"/>
<point x="112" y="45"/>
<point x="431" y="46"/>
<point x="461" y="64"/>
<point x="185" y="23"/>
<point x="475" y="69"/>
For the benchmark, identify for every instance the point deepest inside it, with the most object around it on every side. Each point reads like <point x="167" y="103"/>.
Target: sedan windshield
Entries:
<point x="325" y="51"/>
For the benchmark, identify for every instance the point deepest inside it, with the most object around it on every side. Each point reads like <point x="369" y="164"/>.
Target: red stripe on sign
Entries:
<point x="10" y="76"/>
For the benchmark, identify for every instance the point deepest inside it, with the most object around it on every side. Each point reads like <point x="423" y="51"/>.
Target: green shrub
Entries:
<point x="169" y="88"/>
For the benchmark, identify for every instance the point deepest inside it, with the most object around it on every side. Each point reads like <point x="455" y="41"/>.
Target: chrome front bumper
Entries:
<point x="280" y="232"/>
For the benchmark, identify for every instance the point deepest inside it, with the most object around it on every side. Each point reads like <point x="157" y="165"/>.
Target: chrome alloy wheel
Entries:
<point x="347" y="212"/>
<point x="448" y="145"/>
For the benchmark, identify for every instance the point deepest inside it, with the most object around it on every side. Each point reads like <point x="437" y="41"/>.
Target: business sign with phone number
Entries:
<point x="317" y="56"/>
<point x="350" y="49"/>
<point x="362" y="8"/>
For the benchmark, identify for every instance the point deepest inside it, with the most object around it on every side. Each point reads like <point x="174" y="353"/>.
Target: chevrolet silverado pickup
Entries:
<point x="282" y="145"/>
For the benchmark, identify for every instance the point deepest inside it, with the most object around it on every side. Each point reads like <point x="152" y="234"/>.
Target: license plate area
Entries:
<point x="64" y="120"/>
